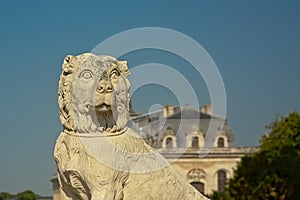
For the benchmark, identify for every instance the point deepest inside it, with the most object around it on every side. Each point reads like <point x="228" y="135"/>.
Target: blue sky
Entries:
<point x="255" y="45"/>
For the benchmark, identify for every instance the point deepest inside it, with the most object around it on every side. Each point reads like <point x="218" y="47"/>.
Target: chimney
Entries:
<point x="206" y="109"/>
<point x="168" y="110"/>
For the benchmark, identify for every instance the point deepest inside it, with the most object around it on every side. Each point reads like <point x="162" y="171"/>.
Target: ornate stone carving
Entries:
<point x="97" y="155"/>
<point x="169" y="132"/>
<point x="196" y="174"/>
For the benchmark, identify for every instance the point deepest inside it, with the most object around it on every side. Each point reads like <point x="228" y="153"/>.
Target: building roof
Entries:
<point x="182" y="120"/>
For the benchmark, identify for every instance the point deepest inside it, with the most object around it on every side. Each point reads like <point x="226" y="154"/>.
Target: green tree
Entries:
<point x="274" y="171"/>
<point x="220" y="196"/>
<point x="26" y="195"/>
<point x="5" y="196"/>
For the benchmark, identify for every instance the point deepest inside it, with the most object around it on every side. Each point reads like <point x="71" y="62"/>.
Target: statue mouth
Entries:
<point x="103" y="107"/>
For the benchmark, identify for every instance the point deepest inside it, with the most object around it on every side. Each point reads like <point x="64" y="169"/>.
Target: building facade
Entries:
<point x="197" y="143"/>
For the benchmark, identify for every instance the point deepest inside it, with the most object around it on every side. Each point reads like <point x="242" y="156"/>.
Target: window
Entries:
<point x="169" y="142"/>
<point x="195" y="142"/>
<point x="221" y="180"/>
<point x="221" y="142"/>
<point x="199" y="186"/>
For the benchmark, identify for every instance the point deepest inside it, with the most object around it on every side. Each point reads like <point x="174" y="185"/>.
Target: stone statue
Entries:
<point x="98" y="157"/>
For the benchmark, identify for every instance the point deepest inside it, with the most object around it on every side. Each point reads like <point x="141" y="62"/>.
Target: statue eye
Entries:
<point x="114" y="74"/>
<point x="86" y="74"/>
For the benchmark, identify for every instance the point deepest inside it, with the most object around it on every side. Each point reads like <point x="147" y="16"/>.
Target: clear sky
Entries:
<point x="255" y="44"/>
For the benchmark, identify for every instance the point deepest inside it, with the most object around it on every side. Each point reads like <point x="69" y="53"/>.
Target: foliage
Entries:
<point x="26" y="195"/>
<point x="220" y="196"/>
<point x="5" y="196"/>
<point x="273" y="172"/>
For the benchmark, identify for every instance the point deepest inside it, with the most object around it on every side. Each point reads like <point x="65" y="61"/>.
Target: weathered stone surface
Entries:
<point x="97" y="155"/>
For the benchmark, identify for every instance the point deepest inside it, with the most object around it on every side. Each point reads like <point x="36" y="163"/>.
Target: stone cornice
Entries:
<point x="230" y="152"/>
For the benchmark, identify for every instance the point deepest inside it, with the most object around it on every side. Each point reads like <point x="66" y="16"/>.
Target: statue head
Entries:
<point x="93" y="93"/>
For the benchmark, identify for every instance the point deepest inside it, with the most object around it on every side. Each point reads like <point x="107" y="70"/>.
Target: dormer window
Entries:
<point x="195" y="142"/>
<point x="169" y="142"/>
<point x="221" y="142"/>
<point x="195" y="139"/>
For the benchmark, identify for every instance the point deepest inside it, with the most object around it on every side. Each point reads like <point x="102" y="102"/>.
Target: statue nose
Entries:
<point x="105" y="87"/>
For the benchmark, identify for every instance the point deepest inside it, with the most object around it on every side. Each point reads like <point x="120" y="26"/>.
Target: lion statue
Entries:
<point x="98" y="157"/>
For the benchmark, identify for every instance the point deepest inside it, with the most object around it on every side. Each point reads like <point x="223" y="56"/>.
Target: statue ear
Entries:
<point x="123" y="67"/>
<point x="69" y="63"/>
